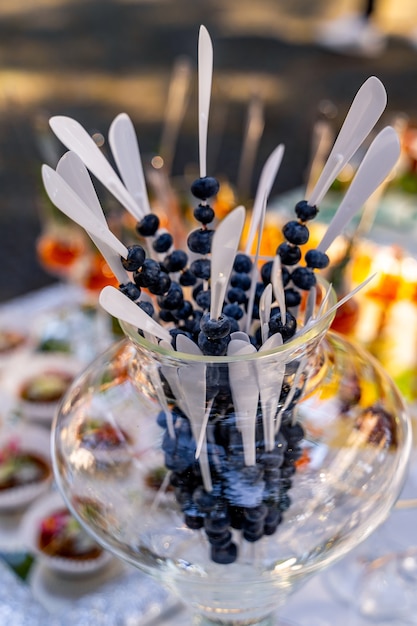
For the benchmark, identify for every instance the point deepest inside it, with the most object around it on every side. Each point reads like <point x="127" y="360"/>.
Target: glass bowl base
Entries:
<point x="180" y="617"/>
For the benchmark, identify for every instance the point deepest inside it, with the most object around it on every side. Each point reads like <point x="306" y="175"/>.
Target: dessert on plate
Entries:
<point x="25" y="466"/>
<point x="57" y="539"/>
<point x="107" y="443"/>
<point x="38" y="384"/>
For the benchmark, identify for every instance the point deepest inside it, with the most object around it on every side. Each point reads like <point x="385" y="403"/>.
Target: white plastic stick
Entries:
<point x="374" y="168"/>
<point x="205" y="72"/>
<point x="224" y="246"/>
<point x="365" y="111"/>
<point x="77" y="139"/>
<point x="125" y="149"/>
<point x="120" y="306"/>
<point x="74" y="172"/>
<point x="67" y="201"/>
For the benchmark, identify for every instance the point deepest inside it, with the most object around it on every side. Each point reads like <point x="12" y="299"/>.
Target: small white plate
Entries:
<point x="57" y="593"/>
<point x="35" y="440"/>
<point x="31" y="527"/>
<point x="22" y="371"/>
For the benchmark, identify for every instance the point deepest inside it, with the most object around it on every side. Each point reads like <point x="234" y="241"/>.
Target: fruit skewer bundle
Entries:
<point x="231" y="438"/>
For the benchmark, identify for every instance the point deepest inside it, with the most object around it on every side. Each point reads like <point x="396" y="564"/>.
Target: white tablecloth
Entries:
<point x="122" y="596"/>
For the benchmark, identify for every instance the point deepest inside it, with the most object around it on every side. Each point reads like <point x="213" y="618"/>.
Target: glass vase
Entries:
<point x="232" y="480"/>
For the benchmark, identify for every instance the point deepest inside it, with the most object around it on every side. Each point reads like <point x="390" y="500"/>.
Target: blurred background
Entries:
<point x="285" y="71"/>
<point x="93" y="59"/>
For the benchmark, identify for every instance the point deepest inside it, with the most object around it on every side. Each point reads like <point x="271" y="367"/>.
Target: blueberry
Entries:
<point x="296" y="233"/>
<point x="177" y="462"/>
<point x="193" y="519"/>
<point x="199" y="241"/>
<point x="253" y="535"/>
<point x="148" y="274"/>
<point x="173" y="299"/>
<point x="216" y="522"/>
<point x="215" y="328"/>
<point x="305" y="211"/>
<point x="168" y="443"/>
<point x="287" y="329"/>
<point x="251" y="474"/>
<point x="193" y="324"/>
<point x="241" y="280"/>
<point x="174" y="332"/>
<point x="162" y="243"/>
<point x="161" y="420"/>
<point x="203" y="299"/>
<point x="272" y="494"/>
<point x="285" y="484"/>
<point x="269" y="529"/>
<point x="235" y="294"/>
<point x="233" y="310"/>
<point x="204" y="213"/>
<point x="185" y="311"/>
<point x="148" y="225"/>
<point x="266" y="271"/>
<point x="187" y="278"/>
<point x="147" y="307"/>
<point x="220" y="540"/>
<point x="224" y="556"/>
<point x="288" y="470"/>
<point x="212" y="347"/>
<point x="236" y="517"/>
<point x="284" y="502"/>
<point x="316" y="258"/>
<point x="135" y="258"/>
<point x="204" y="500"/>
<point x="183" y="496"/>
<point x="205" y="187"/>
<point x="289" y="254"/>
<point x="293" y="433"/>
<point x="162" y="285"/>
<point x="242" y="263"/>
<point x="272" y="458"/>
<point x="178" y="479"/>
<point x="201" y="268"/>
<point x="274" y="516"/>
<point x="273" y="474"/>
<point x="130" y="290"/>
<point x="272" y="520"/>
<point x="184" y="434"/>
<point x="292" y="297"/>
<point x="255" y="514"/>
<point x="176" y="261"/>
<point x="303" y="278"/>
<point x="166" y="316"/>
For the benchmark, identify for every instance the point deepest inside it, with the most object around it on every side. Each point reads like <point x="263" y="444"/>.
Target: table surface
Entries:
<point x="122" y="596"/>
